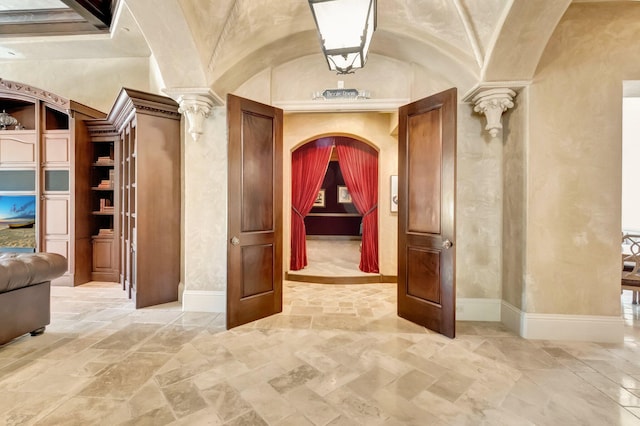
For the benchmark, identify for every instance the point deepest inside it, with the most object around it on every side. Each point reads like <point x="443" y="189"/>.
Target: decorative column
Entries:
<point x="492" y="103"/>
<point x="196" y="105"/>
<point x="204" y="198"/>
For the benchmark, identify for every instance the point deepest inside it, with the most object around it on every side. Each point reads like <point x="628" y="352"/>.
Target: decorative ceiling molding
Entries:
<point x="232" y="18"/>
<point x="471" y="34"/>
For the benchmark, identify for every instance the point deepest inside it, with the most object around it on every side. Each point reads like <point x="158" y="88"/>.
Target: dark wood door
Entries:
<point x="254" y="253"/>
<point x="426" y="212"/>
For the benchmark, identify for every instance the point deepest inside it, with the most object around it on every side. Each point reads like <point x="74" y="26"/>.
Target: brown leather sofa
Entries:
<point x="25" y="288"/>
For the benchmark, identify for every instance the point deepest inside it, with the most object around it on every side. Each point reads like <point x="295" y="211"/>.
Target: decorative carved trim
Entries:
<point x="492" y="103"/>
<point x="15" y="88"/>
<point x="196" y="105"/>
<point x="230" y="23"/>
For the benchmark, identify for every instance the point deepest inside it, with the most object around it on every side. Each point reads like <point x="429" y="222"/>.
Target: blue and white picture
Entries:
<point x="17" y="222"/>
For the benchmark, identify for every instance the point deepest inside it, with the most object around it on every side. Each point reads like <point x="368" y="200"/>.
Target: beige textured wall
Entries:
<point x="204" y="243"/>
<point x="514" y="193"/>
<point x="298" y="79"/>
<point x="93" y="82"/>
<point x="574" y="184"/>
<point x="478" y="208"/>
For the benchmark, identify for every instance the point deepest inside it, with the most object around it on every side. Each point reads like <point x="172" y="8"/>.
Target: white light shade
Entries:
<point x="345" y="28"/>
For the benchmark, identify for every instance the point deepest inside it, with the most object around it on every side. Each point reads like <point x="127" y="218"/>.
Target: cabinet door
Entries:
<point x="17" y="149"/>
<point x="55" y="227"/>
<point x="56" y="149"/>
<point x="56" y="216"/>
<point x="103" y="255"/>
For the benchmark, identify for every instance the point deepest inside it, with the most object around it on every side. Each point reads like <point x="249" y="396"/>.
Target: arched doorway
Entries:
<point x="334" y="218"/>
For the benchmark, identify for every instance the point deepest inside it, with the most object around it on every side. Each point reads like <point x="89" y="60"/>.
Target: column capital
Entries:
<point x="492" y="103"/>
<point x="492" y="99"/>
<point x="195" y="104"/>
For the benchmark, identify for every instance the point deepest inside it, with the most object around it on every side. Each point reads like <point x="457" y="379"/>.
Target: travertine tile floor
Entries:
<point x="337" y="355"/>
<point x="339" y="258"/>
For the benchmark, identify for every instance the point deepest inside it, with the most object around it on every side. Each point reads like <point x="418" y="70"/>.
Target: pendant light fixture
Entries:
<point x="345" y="28"/>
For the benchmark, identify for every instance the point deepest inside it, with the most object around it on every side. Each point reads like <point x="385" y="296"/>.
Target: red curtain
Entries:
<point x="359" y="167"/>
<point x="308" y="167"/>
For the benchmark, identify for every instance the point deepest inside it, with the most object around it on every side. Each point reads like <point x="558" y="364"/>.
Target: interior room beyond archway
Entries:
<point x="334" y="203"/>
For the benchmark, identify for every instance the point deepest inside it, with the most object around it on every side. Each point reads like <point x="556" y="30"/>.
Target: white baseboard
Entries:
<point x="587" y="328"/>
<point x="590" y="328"/>
<point x="468" y="309"/>
<point x="511" y="317"/>
<point x="204" y="301"/>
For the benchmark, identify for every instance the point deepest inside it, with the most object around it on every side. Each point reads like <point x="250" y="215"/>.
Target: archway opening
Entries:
<point x="334" y="203"/>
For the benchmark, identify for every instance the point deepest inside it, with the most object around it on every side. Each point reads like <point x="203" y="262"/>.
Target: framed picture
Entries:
<point x="394" y="193"/>
<point x="343" y="195"/>
<point x="319" y="202"/>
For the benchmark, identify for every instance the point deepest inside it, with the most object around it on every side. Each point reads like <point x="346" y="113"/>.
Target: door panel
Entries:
<point x="254" y="277"/>
<point x="257" y="264"/>
<point x="257" y="173"/>
<point x="423" y="274"/>
<point x="426" y="212"/>
<point x="425" y="165"/>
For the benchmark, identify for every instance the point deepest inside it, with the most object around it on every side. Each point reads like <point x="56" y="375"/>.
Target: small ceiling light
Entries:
<point x="345" y="28"/>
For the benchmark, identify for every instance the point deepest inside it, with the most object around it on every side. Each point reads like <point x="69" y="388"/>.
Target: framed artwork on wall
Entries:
<point x="319" y="202"/>
<point x="394" y="193"/>
<point x="344" y="196"/>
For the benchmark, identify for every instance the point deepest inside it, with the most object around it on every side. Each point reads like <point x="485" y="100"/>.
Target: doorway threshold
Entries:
<point x="360" y="279"/>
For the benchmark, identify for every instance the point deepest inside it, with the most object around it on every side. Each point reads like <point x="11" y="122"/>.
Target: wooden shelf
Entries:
<point x="105" y="237"/>
<point x="18" y="132"/>
<point x="95" y="188"/>
<point x="98" y="213"/>
<point x="112" y="164"/>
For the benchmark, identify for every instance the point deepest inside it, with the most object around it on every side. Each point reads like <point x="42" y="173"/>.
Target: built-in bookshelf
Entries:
<point x="136" y="212"/>
<point x="45" y="163"/>
<point x="104" y="200"/>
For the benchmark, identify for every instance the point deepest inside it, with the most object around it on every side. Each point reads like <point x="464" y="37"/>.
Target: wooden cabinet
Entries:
<point x="45" y="155"/>
<point x="145" y="130"/>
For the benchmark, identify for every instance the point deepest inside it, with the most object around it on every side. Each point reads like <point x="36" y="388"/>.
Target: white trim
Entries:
<point x="516" y="86"/>
<point x="468" y="309"/>
<point x="590" y="328"/>
<point x="180" y="291"/>
<point x="511" y="317"/>
<point x="388" y="105"/>
<point x="204" y="301"/>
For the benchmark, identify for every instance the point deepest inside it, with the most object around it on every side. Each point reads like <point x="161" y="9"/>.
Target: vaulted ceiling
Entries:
<point x="222" y="43"/>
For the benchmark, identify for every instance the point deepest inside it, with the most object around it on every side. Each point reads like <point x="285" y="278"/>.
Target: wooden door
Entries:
<point x="254" y="245"/>
<point x="426" y="212"/>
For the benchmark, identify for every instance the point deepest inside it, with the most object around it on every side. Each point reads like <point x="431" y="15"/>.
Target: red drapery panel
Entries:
<point x="359" y="166"/>
<point x="308" y="167"/>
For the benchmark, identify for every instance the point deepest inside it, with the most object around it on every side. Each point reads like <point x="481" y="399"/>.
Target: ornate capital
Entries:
<point x="492" y="103"/>
<point x="196" y="105"/>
